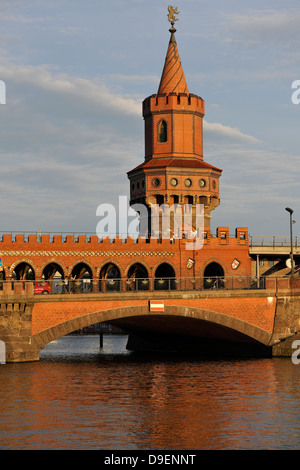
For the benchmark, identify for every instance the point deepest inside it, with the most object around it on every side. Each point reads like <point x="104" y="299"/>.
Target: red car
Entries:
<point x="41" y="287"/>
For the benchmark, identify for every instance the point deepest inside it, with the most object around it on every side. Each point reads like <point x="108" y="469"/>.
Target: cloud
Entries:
<point x="66" y="145"/>
<point x="264" y="174"/>
<point x="92" y="92"/>
<point x="227" y="132"/>
<point x="266" y="26"/>
<point x="136" y="78"/>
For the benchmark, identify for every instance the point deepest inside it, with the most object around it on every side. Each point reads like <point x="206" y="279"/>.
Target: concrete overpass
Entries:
<point x="270" y="253"/>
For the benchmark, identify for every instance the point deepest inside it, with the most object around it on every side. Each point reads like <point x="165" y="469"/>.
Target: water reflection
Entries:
<point x="78" y="397"/>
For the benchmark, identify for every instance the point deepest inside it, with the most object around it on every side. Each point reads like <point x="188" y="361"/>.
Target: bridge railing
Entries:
<point x="273" y="241"/>
<point x="115" y="285"/>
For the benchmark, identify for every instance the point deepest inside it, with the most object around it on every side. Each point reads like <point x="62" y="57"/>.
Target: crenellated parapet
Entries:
<point x="45" y="256"/>
<point x="179" y="102"/>
<point x="25" y="242"/>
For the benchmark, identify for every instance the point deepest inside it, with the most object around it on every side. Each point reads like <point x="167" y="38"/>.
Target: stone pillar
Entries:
<point x="287" y="318"/>
<point x="15" y="331"/>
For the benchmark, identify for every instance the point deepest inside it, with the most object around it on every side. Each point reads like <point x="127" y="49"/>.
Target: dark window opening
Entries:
<point x="163" y="134"/>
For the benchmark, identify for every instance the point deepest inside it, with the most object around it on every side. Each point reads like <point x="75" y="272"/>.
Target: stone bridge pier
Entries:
<point x="16" y="322"/>
<point x="266" y="321"/>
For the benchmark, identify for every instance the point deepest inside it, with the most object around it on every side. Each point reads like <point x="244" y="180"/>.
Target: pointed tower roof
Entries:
<point x="172" y="79"/>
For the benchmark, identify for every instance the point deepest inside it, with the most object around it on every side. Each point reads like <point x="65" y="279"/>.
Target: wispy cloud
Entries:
<point x="227" y="132"/>
<point x="265" y="26"/>
<point x="91" y="92"/>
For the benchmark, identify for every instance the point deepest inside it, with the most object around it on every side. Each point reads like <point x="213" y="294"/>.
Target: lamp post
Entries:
<point x="291" y="234"/>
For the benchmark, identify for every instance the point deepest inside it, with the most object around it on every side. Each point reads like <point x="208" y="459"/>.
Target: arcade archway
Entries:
<point x="23" y="272"/>
<point x="138" y="277"/>
<point x="164" y="277"/>
<point x="54" y="274"/>
<point x="81" y="278"/>
<point x="53" y="270"/>
<point x="213" y="276"/>
<point x="110" y="278"/>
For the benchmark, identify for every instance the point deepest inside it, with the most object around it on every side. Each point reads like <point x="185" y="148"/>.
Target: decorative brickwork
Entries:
<point x="95" y="254"/>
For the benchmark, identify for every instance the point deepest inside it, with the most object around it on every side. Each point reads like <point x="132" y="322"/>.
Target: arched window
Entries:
<point x="162" y="132"/>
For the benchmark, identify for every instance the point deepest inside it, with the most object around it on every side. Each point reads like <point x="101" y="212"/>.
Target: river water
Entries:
<point x="78" y="397"/>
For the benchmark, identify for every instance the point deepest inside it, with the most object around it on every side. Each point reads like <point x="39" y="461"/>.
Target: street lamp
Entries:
<point x="291" y="234"/>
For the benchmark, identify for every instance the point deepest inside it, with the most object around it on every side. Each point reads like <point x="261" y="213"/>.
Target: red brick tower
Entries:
<point x="174" y="171"/>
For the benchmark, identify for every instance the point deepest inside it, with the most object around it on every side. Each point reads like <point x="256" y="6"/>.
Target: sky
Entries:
<point x="76" y="73"/>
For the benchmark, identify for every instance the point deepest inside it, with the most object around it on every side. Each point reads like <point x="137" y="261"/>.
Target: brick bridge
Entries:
<point x="252" y="321"/>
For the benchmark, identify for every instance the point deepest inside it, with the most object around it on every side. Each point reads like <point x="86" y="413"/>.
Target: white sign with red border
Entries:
<point x="157" y="305"/>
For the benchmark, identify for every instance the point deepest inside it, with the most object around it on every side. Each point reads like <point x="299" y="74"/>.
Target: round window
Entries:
<point x="174" y="181"/>
<point x="156" y="182"/>
<point x="188" y="182"/>
<point x="202" y="183"/>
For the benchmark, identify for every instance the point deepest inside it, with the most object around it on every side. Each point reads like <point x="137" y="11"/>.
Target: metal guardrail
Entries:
<point x="87" y="286"/>
<point x="273" y="241"/>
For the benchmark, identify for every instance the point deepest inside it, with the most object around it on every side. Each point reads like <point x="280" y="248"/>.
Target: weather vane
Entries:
<point x="172" y="11"/>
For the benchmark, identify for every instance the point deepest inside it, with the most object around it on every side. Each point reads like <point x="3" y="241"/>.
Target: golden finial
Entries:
<point x="172" y="11"/>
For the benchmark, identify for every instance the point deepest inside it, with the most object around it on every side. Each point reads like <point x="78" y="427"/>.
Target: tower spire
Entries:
<point x="174" y="171"/>
<point x="172" y="79"/>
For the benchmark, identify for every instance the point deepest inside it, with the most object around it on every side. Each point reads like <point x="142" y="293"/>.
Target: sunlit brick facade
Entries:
<point x="173" y="172"/>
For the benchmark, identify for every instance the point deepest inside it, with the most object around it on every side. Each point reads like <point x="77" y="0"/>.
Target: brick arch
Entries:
<point x="165" y="261"/>
<point x="252" y="332"/>
<point x="109" y="261"/>
<point x="137" y="261"/>
<point x="84" y="261"/>
<point x="213" y="260"/>
<point x="49" y="261"/>
<point x="23" y="260"/>
<point x="5" y="270"/>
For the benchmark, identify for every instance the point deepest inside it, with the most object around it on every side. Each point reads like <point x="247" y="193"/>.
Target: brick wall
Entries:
<point x="258" y="311"/>
<point x="38" y="253"/>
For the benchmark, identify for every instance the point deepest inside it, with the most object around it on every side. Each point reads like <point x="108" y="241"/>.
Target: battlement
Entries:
<point x="174" y="101"/>
<point x="71" y="241"/>
<point x="74" y="254"/>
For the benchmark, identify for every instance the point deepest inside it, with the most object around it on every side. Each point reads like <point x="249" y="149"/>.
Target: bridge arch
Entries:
<point x="110" y="277"/>
<point x="23" y="270"/>
<point x="144" y="268"/>
<point x="213" y="274"/>
<point x="188" y="320"/>
<point x="137" y="277"/>
<point x="102" y="268"/>
<point x="50" y="267"/>
<point x="165" y="261"/>
<point x="81" y="267"/>
<point x="165" y="274"/>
